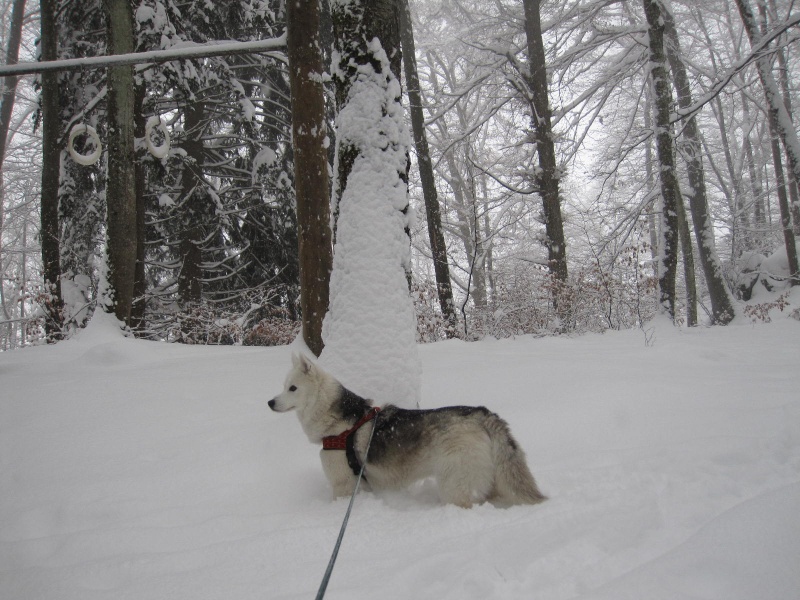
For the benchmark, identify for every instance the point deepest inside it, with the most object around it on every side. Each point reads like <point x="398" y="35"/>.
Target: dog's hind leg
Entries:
<point x="465" y="473"/>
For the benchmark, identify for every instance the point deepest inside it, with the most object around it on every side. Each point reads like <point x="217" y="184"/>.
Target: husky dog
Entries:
<point x="468" y="450"/>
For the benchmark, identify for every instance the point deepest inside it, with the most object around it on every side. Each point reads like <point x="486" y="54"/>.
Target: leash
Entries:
<point x="326" y="578"/>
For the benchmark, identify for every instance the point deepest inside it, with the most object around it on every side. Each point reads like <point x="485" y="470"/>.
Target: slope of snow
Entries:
<point x="131" y="469"/>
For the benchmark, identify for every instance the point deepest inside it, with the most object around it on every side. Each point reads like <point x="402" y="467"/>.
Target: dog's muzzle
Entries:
<point x="271" y="404"/>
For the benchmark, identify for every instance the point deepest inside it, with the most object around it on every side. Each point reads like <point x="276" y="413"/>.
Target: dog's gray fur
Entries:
<point x="468" y="450"/>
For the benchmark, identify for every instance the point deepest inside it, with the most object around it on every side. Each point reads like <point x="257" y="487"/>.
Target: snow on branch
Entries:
<point x="759" y="50"/>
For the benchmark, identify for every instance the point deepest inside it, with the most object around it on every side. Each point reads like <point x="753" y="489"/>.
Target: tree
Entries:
<point x="432" y="210"/>
<point x="121" y="183"/>
<point x="81" y="187"/>
<point x="548" y="174"/>
<point x="721" y="307"/>
<point x="369" y="331"/>
<point x="221" y="239"/>
<point x="670" y="190"/>
<point x="10" y="83"/>
<point x="6" y="110"/>
<point x="312" y="188"/>
<point x="51" y="161"/>
<point x="781" y="126"/>
<point x="196" y="205"/>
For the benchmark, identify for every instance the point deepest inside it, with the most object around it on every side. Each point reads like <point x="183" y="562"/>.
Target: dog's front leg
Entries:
<point x="338" y="472"/>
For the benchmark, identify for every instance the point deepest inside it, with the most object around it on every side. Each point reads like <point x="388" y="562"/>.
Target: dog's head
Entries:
<point x="300" y="386"/>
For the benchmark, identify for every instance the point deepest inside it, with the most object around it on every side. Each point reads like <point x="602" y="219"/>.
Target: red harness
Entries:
<point x="339" y="442"/>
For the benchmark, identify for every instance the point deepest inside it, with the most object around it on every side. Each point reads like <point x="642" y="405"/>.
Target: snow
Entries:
<point x="132" y="469"/>
<point x="265" y="157"/>
<point x="370" y="329"/>
<point x="161" y="150"/>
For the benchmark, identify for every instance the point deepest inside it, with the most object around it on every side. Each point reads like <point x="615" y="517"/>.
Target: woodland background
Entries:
<point x="671" y="167"/>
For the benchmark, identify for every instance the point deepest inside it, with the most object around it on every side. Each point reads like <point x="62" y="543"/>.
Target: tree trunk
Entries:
<point x="432" y="209"/>
<point x="756" y="184"/>
<point x="670" y="190"/>
<point x="370" y="321"/>
<point x="355" y="26"/>
<point x="139" y="284"/>
<point x="312" y="187"/>
<point x="121" y="183"/>
<point x="51" y="166"/>
<point x="780" y="124"/>
<point x="7" y="108"/>
<point x="653" y="228"/>
<point x="794" y="193"/>
<point x="194" y="209"/>
<point x="10" y="83"/>
<point x="548" y="175"/>
<point x="721" y="306"/>
<point x="689" y="279"/>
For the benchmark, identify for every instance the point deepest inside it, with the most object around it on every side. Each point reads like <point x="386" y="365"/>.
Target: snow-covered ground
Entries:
<point x="130" y="469"/>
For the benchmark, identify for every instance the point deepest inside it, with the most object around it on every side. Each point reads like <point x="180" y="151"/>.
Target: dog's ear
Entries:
<point x="305" y="365"/>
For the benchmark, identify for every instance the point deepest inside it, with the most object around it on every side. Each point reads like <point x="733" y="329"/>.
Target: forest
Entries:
<point x="478" y="168"/>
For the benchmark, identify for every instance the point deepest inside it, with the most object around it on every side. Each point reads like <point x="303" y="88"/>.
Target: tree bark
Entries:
<point x="121" y="186"/>
<point x="432" y="209"/>
<point x="548" y="175"/>
<point x="312" y="186"/>
<point x="670" y="190"/>
<point x="51" y="166"/>
<point x="721" y="305"/>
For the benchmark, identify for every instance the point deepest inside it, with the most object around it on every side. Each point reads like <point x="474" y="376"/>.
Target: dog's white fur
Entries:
<point x="469" y="451"/>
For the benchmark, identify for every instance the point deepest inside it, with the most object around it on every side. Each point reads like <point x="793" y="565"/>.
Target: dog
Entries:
<point x="469" y="451"/>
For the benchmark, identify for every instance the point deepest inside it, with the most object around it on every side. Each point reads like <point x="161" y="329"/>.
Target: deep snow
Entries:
<point x="130" y="469"/>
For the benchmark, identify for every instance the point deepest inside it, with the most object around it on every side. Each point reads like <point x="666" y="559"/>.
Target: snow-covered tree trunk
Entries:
<point x="369" y="331"/>
<point x="721" y="306"/>
<point x="670" y="192"/>
<point x="312" y="188"/>
<point x="121" y="187"/>
<point x="781" y="125"/>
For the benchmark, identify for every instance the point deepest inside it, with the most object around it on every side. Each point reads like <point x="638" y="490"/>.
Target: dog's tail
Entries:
<point x="514" y="482"/>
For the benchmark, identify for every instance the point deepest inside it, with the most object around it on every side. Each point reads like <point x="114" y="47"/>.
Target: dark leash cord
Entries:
<point x="326" y="578"/>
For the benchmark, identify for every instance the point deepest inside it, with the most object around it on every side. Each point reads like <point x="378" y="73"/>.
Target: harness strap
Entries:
<point x="346" y="440"/>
